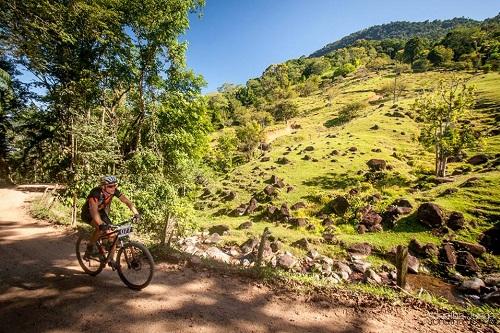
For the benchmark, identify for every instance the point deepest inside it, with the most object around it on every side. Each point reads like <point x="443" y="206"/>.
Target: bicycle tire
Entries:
<point x="81" y="246"/>
<point x="131" y="259"/>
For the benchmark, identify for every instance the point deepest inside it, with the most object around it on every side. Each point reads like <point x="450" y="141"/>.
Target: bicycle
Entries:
<point x="133" y="262"/>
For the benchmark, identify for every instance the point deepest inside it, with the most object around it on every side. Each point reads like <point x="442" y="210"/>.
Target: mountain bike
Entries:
<point x="133" y="262"/>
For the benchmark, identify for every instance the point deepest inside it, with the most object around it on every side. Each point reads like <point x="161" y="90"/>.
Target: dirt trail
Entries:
<point x="42" y="289"/>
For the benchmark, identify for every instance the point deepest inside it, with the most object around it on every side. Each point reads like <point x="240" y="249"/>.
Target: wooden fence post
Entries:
<point x="401" y="265"/>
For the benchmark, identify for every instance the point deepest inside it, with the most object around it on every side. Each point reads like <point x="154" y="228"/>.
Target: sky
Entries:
<point x="236" y="40"/>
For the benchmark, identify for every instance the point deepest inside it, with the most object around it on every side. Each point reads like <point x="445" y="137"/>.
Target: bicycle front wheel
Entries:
<point x="135" y="265"/>
<point x="91" y="266"/>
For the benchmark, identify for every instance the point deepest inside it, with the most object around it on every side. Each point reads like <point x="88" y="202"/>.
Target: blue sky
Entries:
<point x="235" y="40"/>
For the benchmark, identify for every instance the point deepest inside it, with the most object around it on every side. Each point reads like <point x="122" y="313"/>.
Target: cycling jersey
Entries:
<point x="103" y="200"/>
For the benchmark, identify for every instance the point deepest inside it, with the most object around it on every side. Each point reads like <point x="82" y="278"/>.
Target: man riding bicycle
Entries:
<point x="96" y="209"/>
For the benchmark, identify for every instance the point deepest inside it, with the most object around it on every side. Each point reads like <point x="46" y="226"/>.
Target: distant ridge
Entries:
<point x="400" y="29"/>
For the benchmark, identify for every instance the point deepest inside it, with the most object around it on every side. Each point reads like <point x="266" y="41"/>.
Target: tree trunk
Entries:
<point x="165" y="230"/>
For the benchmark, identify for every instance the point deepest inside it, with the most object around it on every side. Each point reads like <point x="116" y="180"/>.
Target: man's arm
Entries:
<point x="94" y="211"/>
<point x="129" y="204"/>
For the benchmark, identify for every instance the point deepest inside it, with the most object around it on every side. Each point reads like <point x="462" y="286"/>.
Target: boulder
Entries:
<point x="298" y="221"/>
<point x="472" y="286"/>
<point x="361" y="229"/>
<point x="376" y="164"/>
<point x="372" y="277"/>
<point x="490" y="239"/>
<point x="327" y="222"/>
<point x="283" y="160"/>
<point x="492" y="298"/>
<point x="492" y="280"/>
<point x="309" y="148"/>
<point x="376" y="228"/>
<point x="448" y="254"/>
<point x="217" y="254"/>
<point x="287" y="261"/>
<point x="330" y="237"/>
<point x="339" y="205"/>
<point x="475" y="249"/>
<point x="413" y="264"/>
<point x="360" y="249"/>
<point x="360" y="266"/>
<point x="466" y="263"/>
<point x="430" y="214"/>
<point x="245" y="225"/>
<point x="369" y="217"/>
<point x="285" y="211"/>
<point x="265" y="159"/>
<point x="478" y="159"/>
<point x="303" y="244"/>
<point x="353" y="149"/>
<point x="298" y="205"/>
<point x="270" y="212"/>
<point x="276" y="246"/>
<point x="342" y="268"/>
<point x="269" y="190"/>
<point x="455" y="221"/>
<point x="218" y="229"/>
<point x="430" y="250"/>
<point x="376" y="150"/>
<point x="403" y="206"/>
<point x="213" y="239"/>
<point x="289" y="189"/>
<point x="252" y="205"/>
<point x="375" y="127"/>
<point x="249" y="245"/>
<point x="239" y="211"/>
<point x="306" y="158"/>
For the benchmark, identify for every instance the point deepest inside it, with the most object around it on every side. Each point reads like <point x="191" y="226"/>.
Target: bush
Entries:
<point x="344" y="70"/>
<point x="421" y="65"/>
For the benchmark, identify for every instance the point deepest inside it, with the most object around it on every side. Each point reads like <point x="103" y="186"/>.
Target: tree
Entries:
<point x="440" y="55"/>
<point x="444" y="112"/>
<point x="413" y="49"/>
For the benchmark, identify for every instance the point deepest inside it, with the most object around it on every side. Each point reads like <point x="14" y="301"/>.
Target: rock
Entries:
<point x="430" y="214"/>
<point x="339" y="205"/>
<point x="283" y="160"/>
<point x="490" y="239"/>
<point x="466" y="263"/>
<point x="492" y="280"/>
<point x="372" y="277"/>
<point x="269" y="190"/>
<point x="285" y="211"/>
<point x="492" y="298"/>
<point x="287" y="261"/>
<point x="416" y="247"/>
<point x="298" y="205"/>
<point x="265" y="146"/>
<point x="473" y="285"/>
<point x="361" y="229"/>
<point x="249" y="245"/>
<point x="303" y="244"/>
<point x="376" y="150"/>
<point x="276" y="246"/>
<point x="270" y="212"/>
<point x="289" y="189"/>
<point x="239" y="211"/>
<point x="404" y="206"/>
<point x="313" y="254"/>
<point x="376" y="228"/>
<point x="449" y="191"/>
<point x="376" y="164"/>
<point x="471" y="182"/>
<point x="298" y="221"/>
<point x="448" y="254"/>
<point x="369" y="217"/>
<point x="252" y="205"/>
<point x="265" y="159"/>
<point x="413" y="264"/>
<point x="217" y="254"/>
<point x="218" y="229"/>
<point x="475" y="249"/>
<point x="245" y="225"/>
<point x="309" y="148"/>
<point x="478" y="159"/>
<point x="213" y="239"/>
<point x="375" y="127"/>
<point x="306" y="158"/>
<point x="342" y="268"/>
<point x="330" y="237"/>
<point x="230" y="196"/>
<point x="195" y="260"/>
<point x="353" y="149"/>
<point x="327" y="222"/>
<point x="360" y="249"/>
<point x="455" y="221"/>
<point x="360" y="266"/>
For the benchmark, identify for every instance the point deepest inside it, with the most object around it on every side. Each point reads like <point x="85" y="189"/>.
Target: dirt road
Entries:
<point x="42" y="289"/>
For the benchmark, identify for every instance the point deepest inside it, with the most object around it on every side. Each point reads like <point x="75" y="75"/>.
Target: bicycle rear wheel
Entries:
<point x="135" y="265"/>
<point x="91" y="266"/>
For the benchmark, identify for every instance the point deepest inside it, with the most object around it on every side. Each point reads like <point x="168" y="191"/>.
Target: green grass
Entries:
<point x="318" y="182"/>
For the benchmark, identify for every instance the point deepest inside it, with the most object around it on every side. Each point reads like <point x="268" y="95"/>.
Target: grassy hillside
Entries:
<point x="321" y="178"/>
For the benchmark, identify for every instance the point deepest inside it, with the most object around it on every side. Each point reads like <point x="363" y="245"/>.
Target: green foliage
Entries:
<point x="346" y="114"/>
<point x="249" y="136"/>
<point x="440" y="55"/>
<point x="421" y="65"/>
<point x="344" y="70"/>
<point x="285" y="109"/>
<point x="414" y="49"/>
<point x="443" y="113"/>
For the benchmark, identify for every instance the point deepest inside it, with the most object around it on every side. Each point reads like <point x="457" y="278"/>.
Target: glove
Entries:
<point x="103" y="227"/>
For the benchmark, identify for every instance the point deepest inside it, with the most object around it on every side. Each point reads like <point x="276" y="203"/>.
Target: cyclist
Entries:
<point x="96" y="209"/>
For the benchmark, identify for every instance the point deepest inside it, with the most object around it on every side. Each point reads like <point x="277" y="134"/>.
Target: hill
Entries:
<point x="400" y="29"/>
